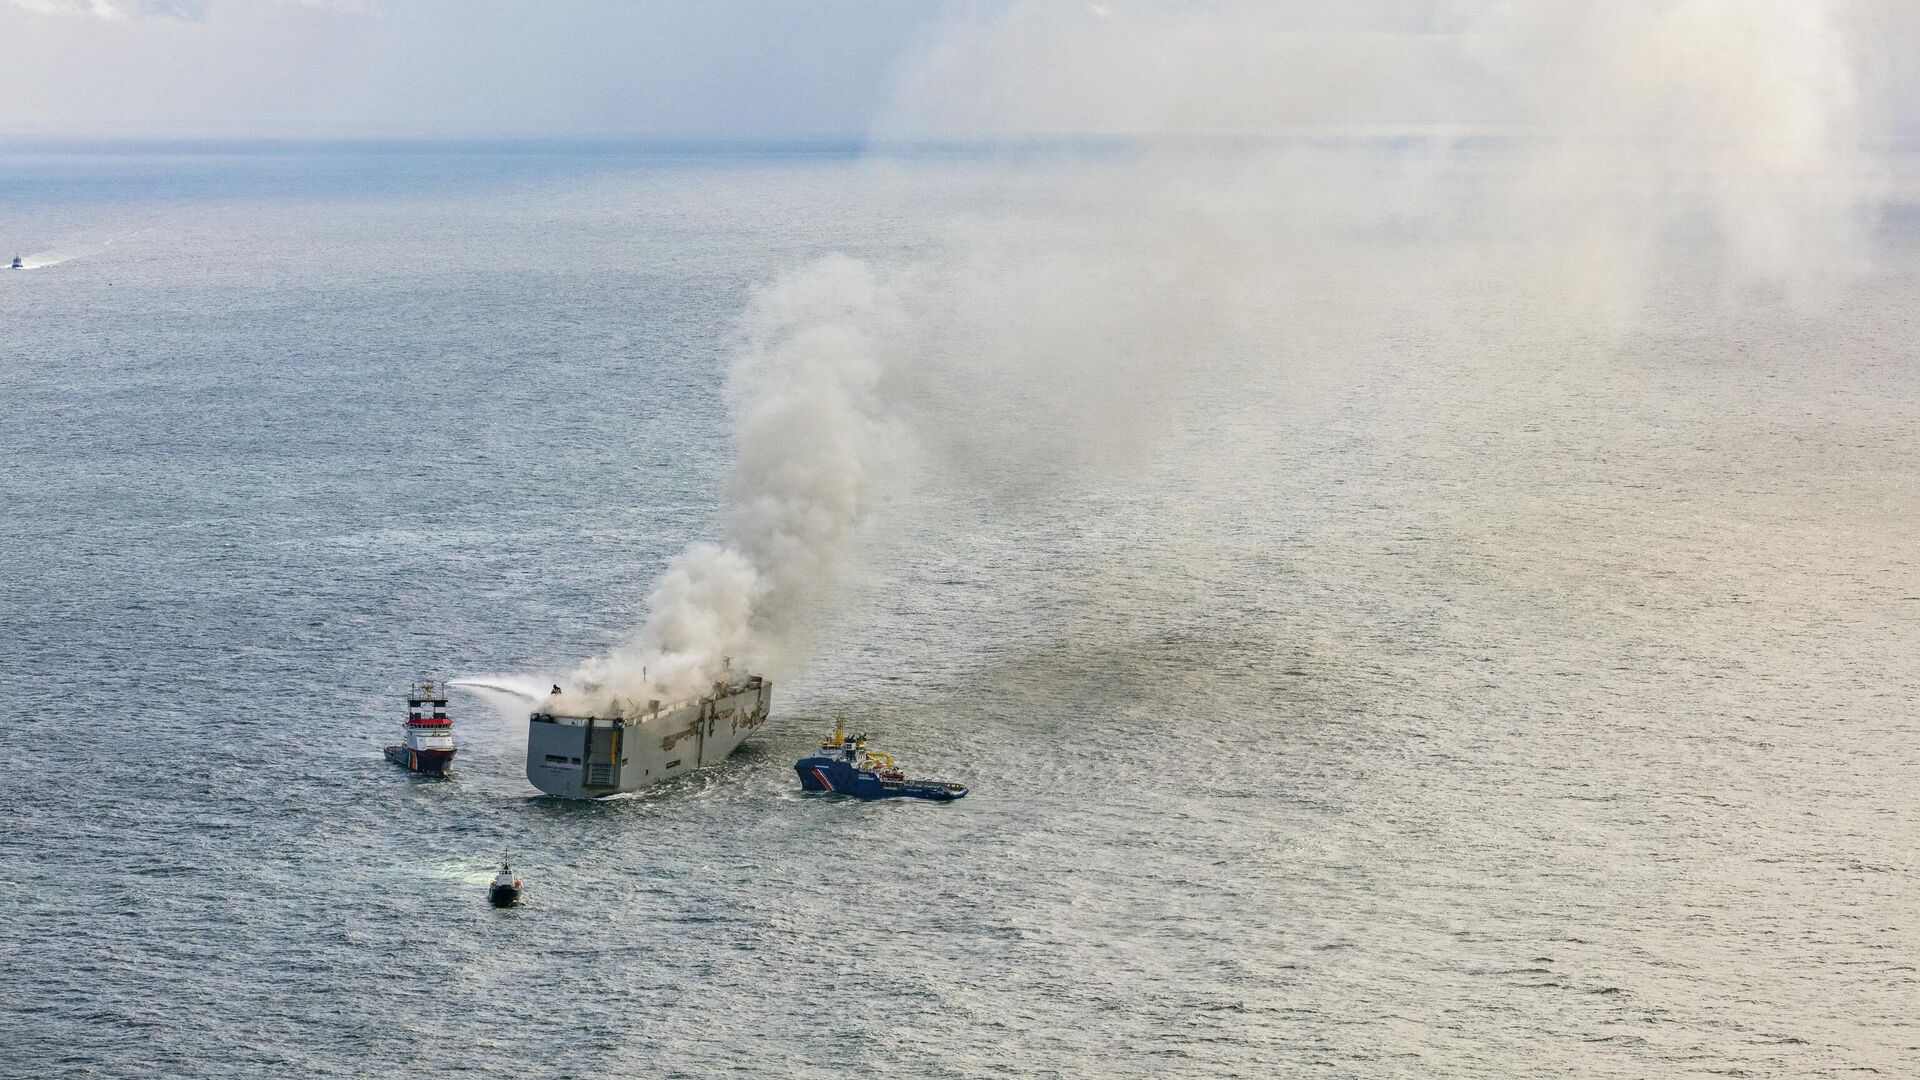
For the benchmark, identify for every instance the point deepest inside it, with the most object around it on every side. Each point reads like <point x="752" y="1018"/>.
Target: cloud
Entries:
<point x="187" y="10"/>
<point x="1041" y="69"/>
<point x="180" y="10"/>
<point x="1232" y="68"/>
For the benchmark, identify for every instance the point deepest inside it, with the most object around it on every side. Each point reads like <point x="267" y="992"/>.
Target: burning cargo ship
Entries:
<point x="591" y="756"/>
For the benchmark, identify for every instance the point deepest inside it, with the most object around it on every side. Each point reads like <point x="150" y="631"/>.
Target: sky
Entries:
<point x="848" y="69"/>
<point x="724" y="69"/>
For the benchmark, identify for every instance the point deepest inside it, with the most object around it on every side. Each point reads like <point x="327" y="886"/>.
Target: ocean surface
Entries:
<point x="1538" y="702"/>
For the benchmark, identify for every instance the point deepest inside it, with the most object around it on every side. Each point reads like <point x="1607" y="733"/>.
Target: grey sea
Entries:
<point x="1530" y="703"/>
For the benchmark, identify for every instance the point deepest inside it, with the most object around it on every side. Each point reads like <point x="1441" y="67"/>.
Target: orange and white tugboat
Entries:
<point x="428" y="746"/>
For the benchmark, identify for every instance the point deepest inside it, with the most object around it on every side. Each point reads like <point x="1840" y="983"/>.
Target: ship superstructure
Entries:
<point x="591" y="757"/>
<point x="427" y="743"/>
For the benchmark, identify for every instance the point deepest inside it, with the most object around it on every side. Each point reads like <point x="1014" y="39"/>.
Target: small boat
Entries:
<point x="428" y="743"/>
<point x="17" y="264"/>
<point x="505" y="890"/>
<point x="843" y="765"/>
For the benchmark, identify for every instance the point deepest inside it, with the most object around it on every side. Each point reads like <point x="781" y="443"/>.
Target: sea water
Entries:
<point x="1534" y="708"/>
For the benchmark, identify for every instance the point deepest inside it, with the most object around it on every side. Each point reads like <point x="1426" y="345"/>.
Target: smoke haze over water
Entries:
<point x="1298" y="195"/>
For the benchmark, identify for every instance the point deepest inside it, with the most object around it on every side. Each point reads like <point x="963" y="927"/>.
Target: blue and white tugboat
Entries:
<point x="428" y="745"/>
<point x="843" y="765"/>
<point x="17" y="264"/>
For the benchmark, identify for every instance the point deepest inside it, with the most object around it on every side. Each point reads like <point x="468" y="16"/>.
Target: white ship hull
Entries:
<point x="591" y="757"/>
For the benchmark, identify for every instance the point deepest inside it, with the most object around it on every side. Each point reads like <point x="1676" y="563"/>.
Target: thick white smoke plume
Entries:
<point x="1303" y="187"/>
<point x="811" y="431"/>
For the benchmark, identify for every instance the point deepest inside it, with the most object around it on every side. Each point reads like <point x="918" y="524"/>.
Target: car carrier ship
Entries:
<point x="592" y="757"/>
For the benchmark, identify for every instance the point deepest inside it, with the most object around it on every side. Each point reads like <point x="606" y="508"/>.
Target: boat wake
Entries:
<point x="44" y="259"/>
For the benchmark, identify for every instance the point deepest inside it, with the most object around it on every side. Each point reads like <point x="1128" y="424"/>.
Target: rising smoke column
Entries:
<point x="1614" y="151"/>
<point x="812" y="436"/>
